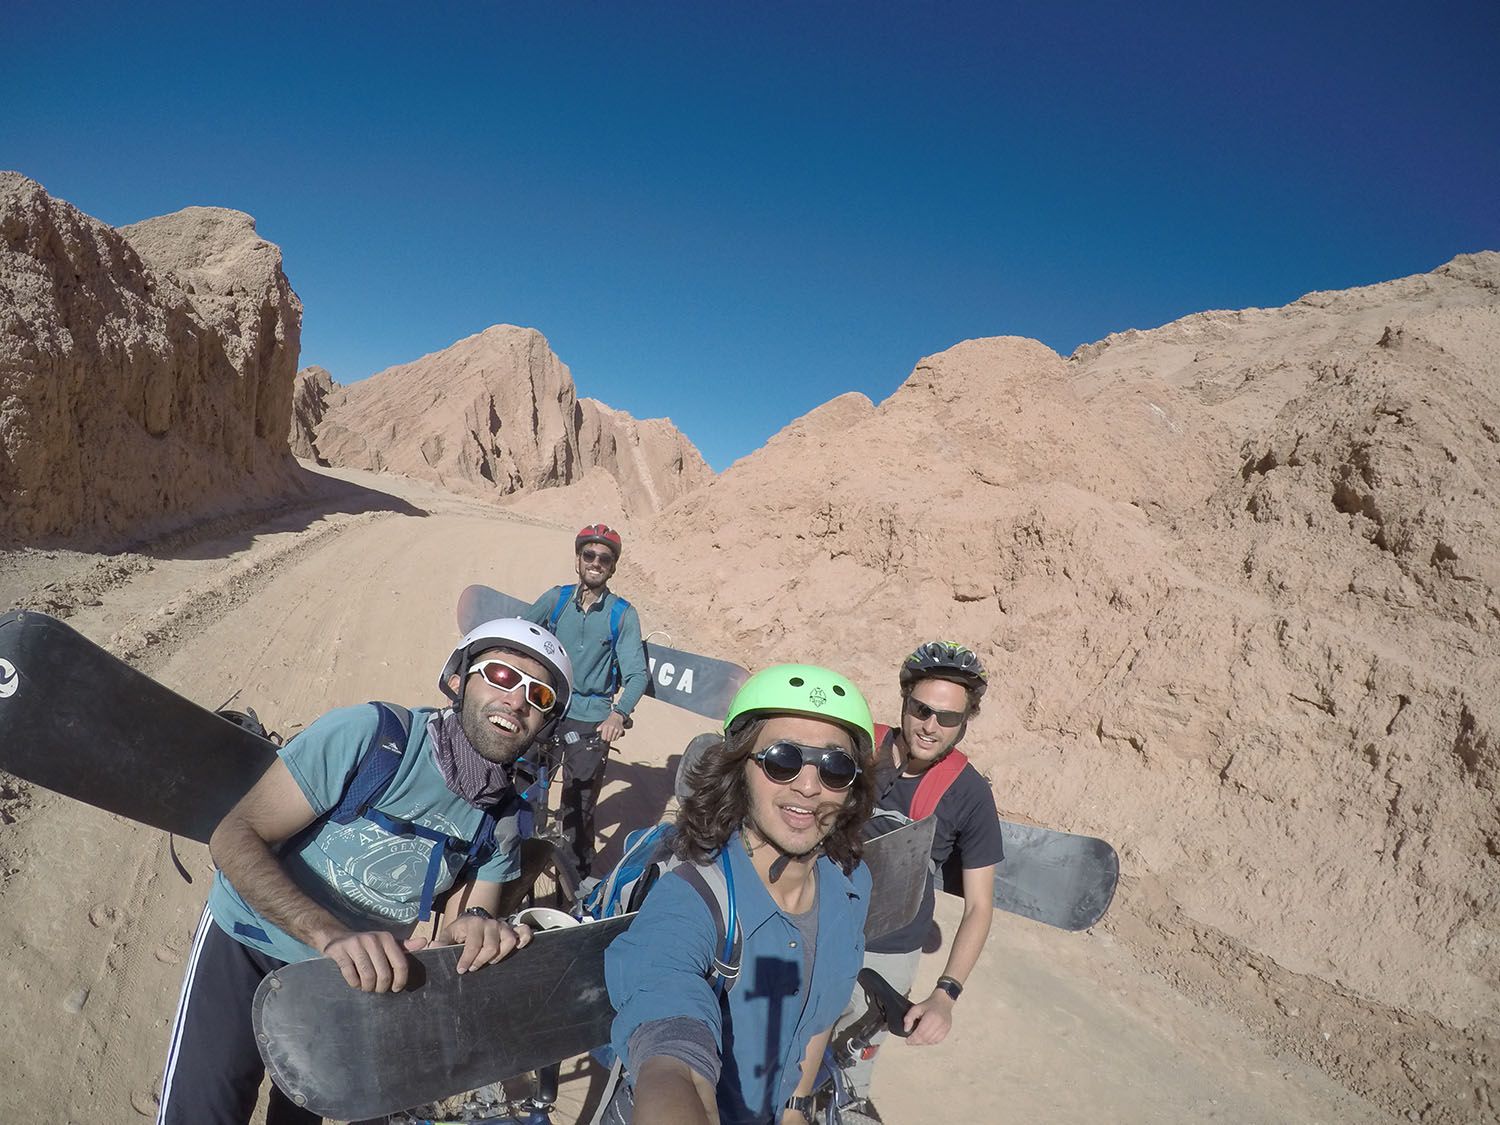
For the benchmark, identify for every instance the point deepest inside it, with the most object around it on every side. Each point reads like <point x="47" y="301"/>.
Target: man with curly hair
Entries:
<point x="779" y="808"/>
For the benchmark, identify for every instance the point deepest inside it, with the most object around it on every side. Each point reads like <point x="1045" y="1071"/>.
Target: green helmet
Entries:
<point x="804" y="689"/>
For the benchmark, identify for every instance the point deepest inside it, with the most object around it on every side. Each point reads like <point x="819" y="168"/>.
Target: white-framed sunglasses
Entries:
<point x="507" y="677"/>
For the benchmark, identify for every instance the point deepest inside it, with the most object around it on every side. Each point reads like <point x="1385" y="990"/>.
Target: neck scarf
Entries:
<point x="466" y="772"/>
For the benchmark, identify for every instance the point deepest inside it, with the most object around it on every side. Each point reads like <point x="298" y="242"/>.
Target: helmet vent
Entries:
<point x="838" y="689"/>
<point x="796" y="681"/>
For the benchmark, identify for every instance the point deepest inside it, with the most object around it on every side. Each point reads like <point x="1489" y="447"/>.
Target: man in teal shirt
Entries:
<point x="602" y="635"/>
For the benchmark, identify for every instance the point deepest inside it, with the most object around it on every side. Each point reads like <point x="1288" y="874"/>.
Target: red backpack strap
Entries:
<point x="935" y="783"/>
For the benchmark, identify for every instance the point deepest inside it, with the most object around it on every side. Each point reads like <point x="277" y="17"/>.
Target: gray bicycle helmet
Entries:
<point x="945" y="660"/>
<point x="518" y="635"/>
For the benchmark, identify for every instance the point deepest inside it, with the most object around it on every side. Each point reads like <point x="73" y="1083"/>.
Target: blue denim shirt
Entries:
<point x="658" y="969"/>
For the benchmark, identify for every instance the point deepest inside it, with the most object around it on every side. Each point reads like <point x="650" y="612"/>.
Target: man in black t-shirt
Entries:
<point x="919" y="772"/>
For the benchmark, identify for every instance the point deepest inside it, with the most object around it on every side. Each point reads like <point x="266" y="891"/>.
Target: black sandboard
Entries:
<point x="699" y="684"/>
<point x="349" y="1055"/>
<point x="899" y="863"/>
<point x="78" y="721"/>
<point x="1057" y="878"/>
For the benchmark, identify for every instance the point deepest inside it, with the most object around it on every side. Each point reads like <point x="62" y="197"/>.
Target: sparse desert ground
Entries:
<point x="350" y="596"/>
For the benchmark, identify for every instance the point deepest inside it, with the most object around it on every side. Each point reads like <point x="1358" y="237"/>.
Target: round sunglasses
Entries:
<point x="507" y="677"/>
<point x="783" y="761"/>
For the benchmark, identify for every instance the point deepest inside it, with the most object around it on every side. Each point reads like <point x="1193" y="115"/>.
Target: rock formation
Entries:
<point x="145" y="374"/>
<point x="312" y="393"/>
<point x="1237" y="581"/>
<point x="496" y="414"/>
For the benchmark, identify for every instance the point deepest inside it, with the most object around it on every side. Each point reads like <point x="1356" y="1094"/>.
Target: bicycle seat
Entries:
<point x="882" y="996"/>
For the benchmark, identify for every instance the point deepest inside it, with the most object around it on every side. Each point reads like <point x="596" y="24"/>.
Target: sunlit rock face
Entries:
<point x="145" y="373"/>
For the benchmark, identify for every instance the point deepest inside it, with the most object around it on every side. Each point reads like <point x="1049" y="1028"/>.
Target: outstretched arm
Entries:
<point x="243" y="848"/>
<point x="667" y="1089"/>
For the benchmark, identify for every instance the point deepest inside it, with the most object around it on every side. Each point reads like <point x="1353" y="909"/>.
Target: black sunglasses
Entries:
<point x="603" y="557"/>
<point x="783" y="761"/>
<point x="921" y="712"/>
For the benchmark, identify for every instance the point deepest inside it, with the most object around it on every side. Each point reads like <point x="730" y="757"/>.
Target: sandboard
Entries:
<point x="899" y="863"/>
<point x="699" y="684"/>
<point x="1056" y="878"/>
<point x="71" y="720"/>
<point x="348" y="1054"/>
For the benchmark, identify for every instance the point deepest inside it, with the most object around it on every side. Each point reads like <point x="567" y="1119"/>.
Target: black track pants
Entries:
<point x="213" y="1070"/>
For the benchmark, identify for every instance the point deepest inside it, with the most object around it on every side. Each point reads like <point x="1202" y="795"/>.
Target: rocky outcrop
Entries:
<point x="497" y="414"/>
<point x="652" y="460"/>
<point x="1236" y="581"/>
<point x="313" y="391"/>
<point x="145" y="374"/>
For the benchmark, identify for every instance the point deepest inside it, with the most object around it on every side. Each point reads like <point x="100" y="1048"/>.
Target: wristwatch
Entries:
<point x="950" y="986"/>
<point x="478" y="912"/>
<point x="802" y="1103"/>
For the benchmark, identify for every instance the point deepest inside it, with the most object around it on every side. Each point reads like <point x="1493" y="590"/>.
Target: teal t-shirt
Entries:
<point x="362" y="874"/>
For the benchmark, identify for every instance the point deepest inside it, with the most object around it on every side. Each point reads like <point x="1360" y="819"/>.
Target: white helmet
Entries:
<point x="521" y="636"/>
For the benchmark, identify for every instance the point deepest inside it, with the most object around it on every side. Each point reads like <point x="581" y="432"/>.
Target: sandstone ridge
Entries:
<point x="496" y="414"/>
<point x="1236" y="582"/>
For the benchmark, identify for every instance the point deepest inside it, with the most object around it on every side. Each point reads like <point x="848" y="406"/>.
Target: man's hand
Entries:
<point x="929" y="1021"/>
<point x="484" y="939"/>
<point x="373" y="960"/>
<point x="794" y="1117"/>
<point x="612" y="727"/>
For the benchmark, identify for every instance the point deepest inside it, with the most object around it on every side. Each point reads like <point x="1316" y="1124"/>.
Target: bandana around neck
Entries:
<point x="466" y="772"/>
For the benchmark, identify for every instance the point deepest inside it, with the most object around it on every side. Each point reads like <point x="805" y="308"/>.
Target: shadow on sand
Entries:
<point x="638" y="799"/>
<point x="315" y="497"/>
<point x="308" y="497"/>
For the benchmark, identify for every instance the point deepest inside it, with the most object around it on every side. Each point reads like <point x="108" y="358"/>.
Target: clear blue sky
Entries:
<point x="728" y="214"/>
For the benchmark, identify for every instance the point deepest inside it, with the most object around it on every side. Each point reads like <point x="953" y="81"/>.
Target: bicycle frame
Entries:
<point x="884" y="1008"/>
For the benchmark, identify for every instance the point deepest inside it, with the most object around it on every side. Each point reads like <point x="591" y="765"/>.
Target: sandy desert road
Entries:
<point x="351" y="597"/>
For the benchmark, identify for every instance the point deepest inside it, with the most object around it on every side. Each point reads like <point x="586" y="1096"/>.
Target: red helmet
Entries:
<point x="599" y="533"/>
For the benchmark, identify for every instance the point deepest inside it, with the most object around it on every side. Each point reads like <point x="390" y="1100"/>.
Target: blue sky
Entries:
<point x="729" y="214"/>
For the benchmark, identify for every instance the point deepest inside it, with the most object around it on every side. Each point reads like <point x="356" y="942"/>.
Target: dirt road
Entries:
<point x="351" y="597"/>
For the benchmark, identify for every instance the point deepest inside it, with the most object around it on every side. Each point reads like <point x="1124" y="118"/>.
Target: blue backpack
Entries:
<point x="648" y="857"/>
<point x="616" y="612"/>
<point x="372" y="777"/>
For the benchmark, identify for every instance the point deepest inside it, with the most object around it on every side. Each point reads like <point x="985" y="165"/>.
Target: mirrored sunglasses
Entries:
<point x="921" y="712"/>
<point x="507" y="678"/>
<point x="783" y="761"/>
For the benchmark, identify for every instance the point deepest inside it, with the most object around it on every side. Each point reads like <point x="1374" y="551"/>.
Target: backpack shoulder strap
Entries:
<point x="564" y="595"/>
<point x="936" y="782"/>
<point x="377" y="764"/>
<point x="715" y="885"/>
<point x="616" y="614"/>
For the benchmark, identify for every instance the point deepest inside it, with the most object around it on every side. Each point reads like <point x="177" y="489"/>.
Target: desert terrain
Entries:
<point x="335" y="601"/>
<point x="1236" y="579"/>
